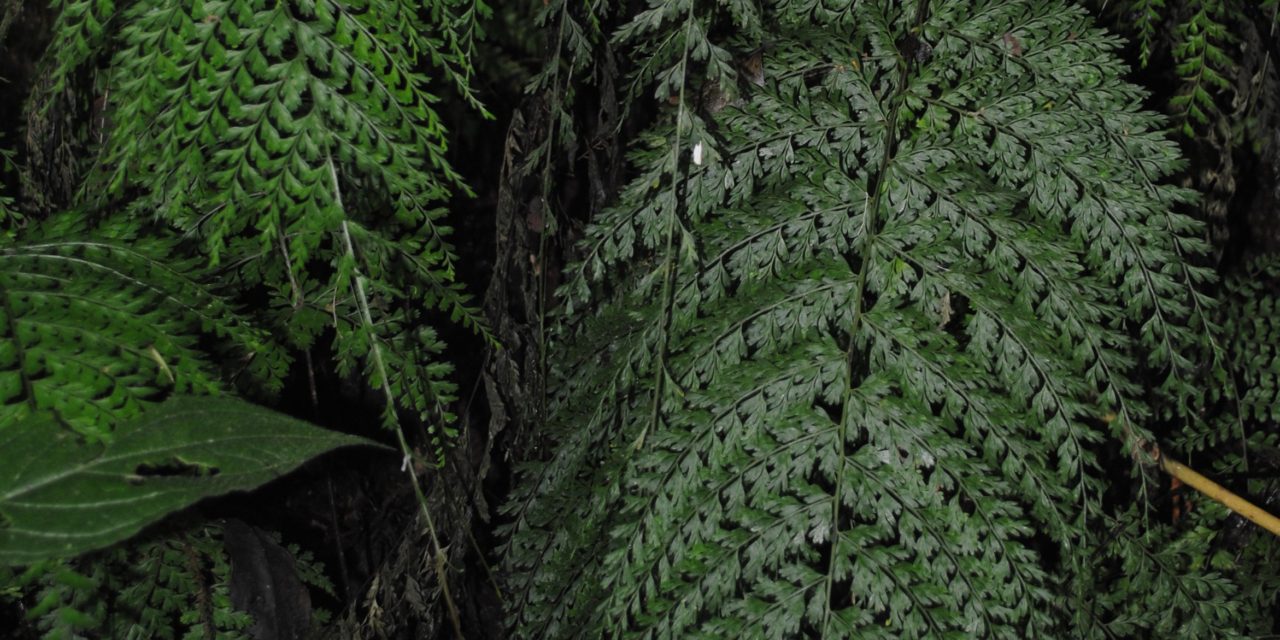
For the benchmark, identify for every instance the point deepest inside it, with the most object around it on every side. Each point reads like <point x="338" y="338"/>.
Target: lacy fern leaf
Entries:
<point x="297" y="140"/>
<point x="836" y="363"/>
<point x="178" y="586"/>
<point x="1251" y="322"/>
<point x="97" y="325"/>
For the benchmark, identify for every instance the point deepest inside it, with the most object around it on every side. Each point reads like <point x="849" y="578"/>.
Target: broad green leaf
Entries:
<point x="59" y="497"/>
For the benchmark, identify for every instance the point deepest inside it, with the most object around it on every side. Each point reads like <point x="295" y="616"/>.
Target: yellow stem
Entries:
<point x="1220" y="494"/>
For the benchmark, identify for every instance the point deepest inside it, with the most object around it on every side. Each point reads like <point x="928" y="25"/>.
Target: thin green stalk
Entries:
<point x="375" y="351"/>
<point x="870" y="226"/>
<point x="668" y="260"/>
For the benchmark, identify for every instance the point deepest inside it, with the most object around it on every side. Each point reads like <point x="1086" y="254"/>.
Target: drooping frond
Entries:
<point x="838" y="361"/>
<point x="257" y="98"/>
<point x="1232" y="433"/>
<point x="276" y="133"/>
<point x="97" y="324"/>
<point x="180" y="586"/>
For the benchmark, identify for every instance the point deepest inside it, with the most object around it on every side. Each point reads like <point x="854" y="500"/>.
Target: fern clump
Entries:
<point x="264" y="183"/>
<point x="296" y="142"/>
<point x="1251" y="322"/>
<point x="179" y="586"/>
<point x="845" y="357"/>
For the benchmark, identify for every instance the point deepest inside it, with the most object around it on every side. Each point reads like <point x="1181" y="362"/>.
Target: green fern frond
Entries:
<point x="1148" y="18"/>
<point x="265" y="128"/>
<point x="98" y="324"/>
<point x="257" y="96"/>
<point x="176" y="586"/>
<point x="1167" y="567"/>
<point x="843" y="349"/>
<point x="1203" y="63"/>
<point x="81" y="35"/>
<point x="1251" y="324"/>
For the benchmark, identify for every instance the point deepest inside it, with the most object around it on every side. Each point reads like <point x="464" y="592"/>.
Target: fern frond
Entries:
<point x="175" y="586"/>
<point x="98" y="324"/>
<point x="239" y="122"/>
<point x="258" y="96"/>
<point x="830" y="374"/>
<point x="81" y="35"/>
<point x="1203" y="63"/>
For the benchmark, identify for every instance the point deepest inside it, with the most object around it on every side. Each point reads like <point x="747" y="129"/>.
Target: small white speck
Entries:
<point x="404" y="464"/>
<point x="697" y="153"/>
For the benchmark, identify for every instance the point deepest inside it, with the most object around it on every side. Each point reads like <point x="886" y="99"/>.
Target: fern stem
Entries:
<point x="668" y="260"/>
<point x="1255" y="88"/>
<point x="548" y="218"/>
<point x="311" y="383"/>
<point x="344" y="573"/>
<point x="203" y="598"/>
<point x="850" y="355"/>
<point x="288" y="269"/>
<point x="874" y="194"/>
<point x="376" y="355"/>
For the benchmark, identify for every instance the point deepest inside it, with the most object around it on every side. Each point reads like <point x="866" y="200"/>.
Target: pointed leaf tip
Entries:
<point x="60" y="497"/>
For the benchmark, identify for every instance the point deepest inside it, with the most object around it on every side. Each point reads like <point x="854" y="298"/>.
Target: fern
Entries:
<point x="96" y="325"/>
<point x="837" y="361"/>
<point x="281" y="155"/>
<point x="1211" y="50"/>
<point x="264" y="129"/>
<point x="174" y="587"/>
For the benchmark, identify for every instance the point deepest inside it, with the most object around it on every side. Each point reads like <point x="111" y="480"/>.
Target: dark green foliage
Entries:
<point x="264" y="188"/>
<point x="845" y="357"/>
<point x="60" y="498"/>
<point x="873" y="342"/>
<point x="96" y="323"/>
<point x="175" y="587"/>
<point x="1211" y="48"/>
<point x="296" y="140"/>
